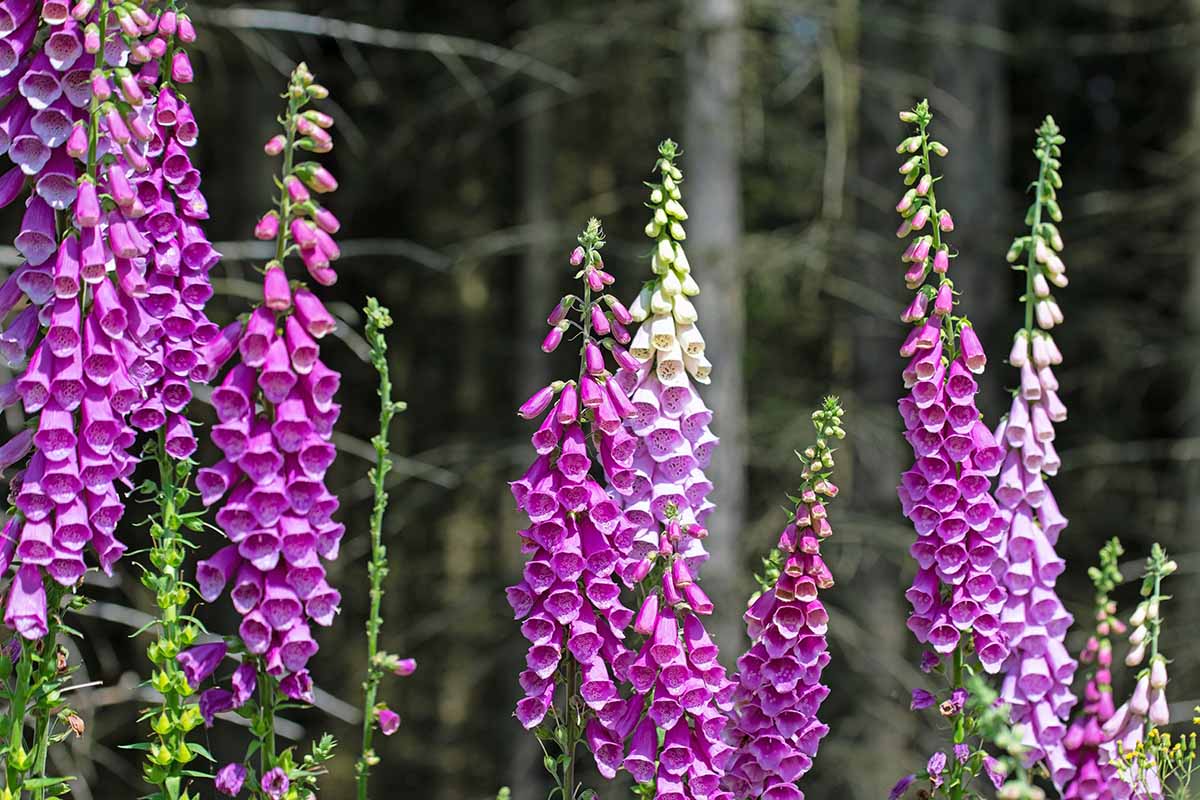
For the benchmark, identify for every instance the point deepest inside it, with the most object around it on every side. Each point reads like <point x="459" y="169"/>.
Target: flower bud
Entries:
<point x="267" y="227"/>
<point x="187" y="33"/>
<point x="941" y="261"/>
<point x="1158" y="673"/>
<point x="275" y="145"/>
<point x="538" y="402"/>
<point x="1160" y="712"/>
<point x="1139" y="635"/>
<point x="77" y="141"/>
<point x="600" y="322"/>
<point x="553" y="339"/>
<point x="593" y="358"/>
<point x="181" y="67"/>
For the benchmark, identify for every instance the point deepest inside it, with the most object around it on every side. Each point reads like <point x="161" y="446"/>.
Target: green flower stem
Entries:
<point x="1158" y="566"/>
<point x="378" y="320"/>
<point x="285" y="201"/>
<point x="16" y="711"/>
<point x="266" y="719"/>
<point x="591" y="240"/>
<point x="94" y="105"/>
<point x="572" y="735"/>
<point x="297" y="96"/>
<point x="42" y="737"/>
<point x="931" y="198"/>
<point x="957" y="780"/>
<point x="1035" y="225"/>
<point x="170" y="754"/>
<point x="38" y="680"/>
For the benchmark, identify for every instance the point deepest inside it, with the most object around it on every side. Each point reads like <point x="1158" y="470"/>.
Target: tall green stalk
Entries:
<point x="174" y="718"/>
<point x="378" y="320"/>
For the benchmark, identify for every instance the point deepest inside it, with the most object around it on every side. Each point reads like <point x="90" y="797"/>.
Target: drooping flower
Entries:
<point x="901" y="787"/>
<point x="230" y="779"/>
<point x="275" y="783"/>
<point x="201" y="661"/>
<point x="774" y="727"/>
<point x="1039" y="670"/>
<point x="389" y="721"/>
<point x="947" y="494"/>
<point x="25" y="612"/>
<point x="922" y="699"/>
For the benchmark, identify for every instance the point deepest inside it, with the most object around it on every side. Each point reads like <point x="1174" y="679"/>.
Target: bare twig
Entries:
<point x="433" y="43"/>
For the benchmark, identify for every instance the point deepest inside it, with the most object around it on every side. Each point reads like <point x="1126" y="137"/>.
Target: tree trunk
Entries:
<point x="535" y="296"/>
<point x="711" y="149"/>
<point x="879" y="452"/>
<point x="536" y="290"/>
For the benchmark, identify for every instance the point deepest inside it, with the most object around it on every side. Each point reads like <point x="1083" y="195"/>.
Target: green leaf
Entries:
<point x="33" y="784"/>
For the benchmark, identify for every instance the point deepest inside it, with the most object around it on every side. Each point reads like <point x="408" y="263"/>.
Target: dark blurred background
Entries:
<point x="476" y="138"/>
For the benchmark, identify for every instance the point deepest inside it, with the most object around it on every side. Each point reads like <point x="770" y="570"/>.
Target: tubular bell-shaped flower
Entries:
<point x="774" y="726"/>
<point x="1039" y="670"/>
<point x="276" y="413"/>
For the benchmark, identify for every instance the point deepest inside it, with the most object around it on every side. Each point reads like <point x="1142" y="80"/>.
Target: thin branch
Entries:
<point x="261" y="46"/>
<point x="433" y="43"/>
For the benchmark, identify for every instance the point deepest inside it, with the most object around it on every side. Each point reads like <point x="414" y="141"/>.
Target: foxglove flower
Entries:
<point x="1085" y="735"/>
<point x="668" y="729"/>
<point x="664" y="481"/>
<point x="97" y="373"/>
<point x="1129" y="753"/>
<point x="1039" y="670"/>
<point x="230" y="779"/>
<point x="276" y="413"/>
<point x="568" y="600"/>
<point x="774" y="726"/>
<point x="664" y="491"/>
<point x="955" y="597"/>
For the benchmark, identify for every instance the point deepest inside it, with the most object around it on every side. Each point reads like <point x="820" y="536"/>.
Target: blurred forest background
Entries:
<point x="475" y="140"/>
